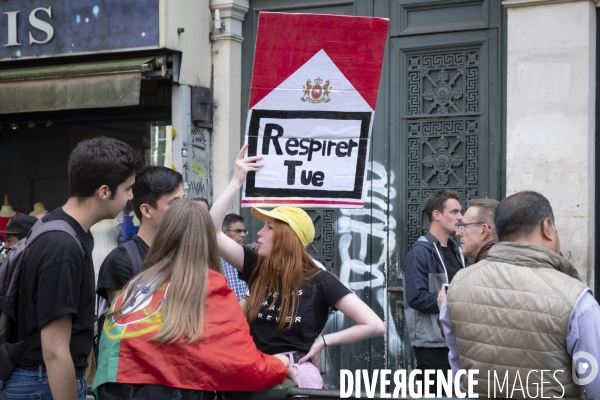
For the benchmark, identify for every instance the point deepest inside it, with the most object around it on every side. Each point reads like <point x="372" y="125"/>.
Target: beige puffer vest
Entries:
<point x="510" y="314"/>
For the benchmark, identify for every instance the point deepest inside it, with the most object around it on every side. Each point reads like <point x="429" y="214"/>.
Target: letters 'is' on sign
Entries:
<point x="312" y="101"/>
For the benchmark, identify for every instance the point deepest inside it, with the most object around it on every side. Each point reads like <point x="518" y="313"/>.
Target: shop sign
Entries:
<point x="30" y="28"/>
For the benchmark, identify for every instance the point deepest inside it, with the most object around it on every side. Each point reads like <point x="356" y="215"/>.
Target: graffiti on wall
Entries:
<point x="375" y="222"/>
<point x="197" y="164"/>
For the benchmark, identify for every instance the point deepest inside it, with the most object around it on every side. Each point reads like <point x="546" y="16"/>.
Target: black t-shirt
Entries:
<point x="451" y="262"/>
<point x="116" y="269"/>
<point x="58" y="280"/>
<point x="301" y="335"/>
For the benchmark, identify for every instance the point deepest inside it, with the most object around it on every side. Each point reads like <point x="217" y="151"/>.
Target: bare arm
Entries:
<point x="56" y="350"/>
<point x="288" y="365"/>
<point x="231" y="251"/>
<point x="368" y="325"/>
<point x="243" y="303"/>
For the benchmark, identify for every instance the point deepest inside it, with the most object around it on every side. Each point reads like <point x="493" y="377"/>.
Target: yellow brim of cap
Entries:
<point x="263" y="214"/>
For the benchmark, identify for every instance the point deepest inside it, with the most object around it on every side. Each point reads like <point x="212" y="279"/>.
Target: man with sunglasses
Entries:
<point x="233" y="226"/>
<point x="477" y="231"/>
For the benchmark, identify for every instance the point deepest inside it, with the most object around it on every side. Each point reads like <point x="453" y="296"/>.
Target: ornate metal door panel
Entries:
<point x="446" y="131"/>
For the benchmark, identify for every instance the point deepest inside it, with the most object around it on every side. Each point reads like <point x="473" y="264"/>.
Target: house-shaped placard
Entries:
<point x="312" y="101"/>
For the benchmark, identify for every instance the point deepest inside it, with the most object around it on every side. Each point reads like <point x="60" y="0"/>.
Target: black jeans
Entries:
<point x="121" y="391"/>
<point x="433" y="358"/>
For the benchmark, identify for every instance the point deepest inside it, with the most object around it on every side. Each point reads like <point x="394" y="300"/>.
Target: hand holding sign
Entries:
<point x="243" y="165"/>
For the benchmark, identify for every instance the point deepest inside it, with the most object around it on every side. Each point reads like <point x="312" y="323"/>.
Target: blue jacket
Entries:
<point x="424" y="274"/>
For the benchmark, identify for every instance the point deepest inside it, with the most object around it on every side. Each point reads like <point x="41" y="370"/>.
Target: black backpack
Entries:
<point x="10" y="274"/>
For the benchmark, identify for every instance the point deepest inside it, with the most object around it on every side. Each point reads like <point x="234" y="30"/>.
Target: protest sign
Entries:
<point x="312" y="101"/>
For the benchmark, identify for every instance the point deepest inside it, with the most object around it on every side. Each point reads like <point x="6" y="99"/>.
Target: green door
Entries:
<point x="438" y="123"/>
<point x="446" y="124"/>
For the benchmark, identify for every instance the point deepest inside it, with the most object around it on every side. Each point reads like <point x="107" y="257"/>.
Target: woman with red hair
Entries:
<point x="290" y="296"/>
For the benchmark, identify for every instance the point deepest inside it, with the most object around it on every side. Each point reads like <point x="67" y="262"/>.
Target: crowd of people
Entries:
<point x="188" y="308"/>
<point x="174" y="326"/>
<point x="519" y="314"/>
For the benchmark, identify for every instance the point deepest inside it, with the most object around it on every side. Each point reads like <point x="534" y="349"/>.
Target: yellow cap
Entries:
<point x="295" y="217"/>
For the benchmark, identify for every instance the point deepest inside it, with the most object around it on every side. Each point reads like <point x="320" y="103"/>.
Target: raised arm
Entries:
<point x="231" y="251"/>
<point x="368" y="325"/>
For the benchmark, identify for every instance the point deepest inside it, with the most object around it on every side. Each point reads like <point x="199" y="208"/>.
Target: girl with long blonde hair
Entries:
<point x="289" y="296"/>
<point x="176" y="329"/>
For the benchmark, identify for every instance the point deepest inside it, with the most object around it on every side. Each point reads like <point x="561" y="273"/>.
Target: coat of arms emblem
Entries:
<point x="317" y="92"/>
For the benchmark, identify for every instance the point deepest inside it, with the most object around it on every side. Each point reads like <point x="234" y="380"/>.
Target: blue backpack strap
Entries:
<point x="134" y="254"/>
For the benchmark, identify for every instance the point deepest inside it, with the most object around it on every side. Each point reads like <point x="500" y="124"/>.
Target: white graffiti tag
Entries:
<point x="370" y="221"/>
<point x="355" y="227"/>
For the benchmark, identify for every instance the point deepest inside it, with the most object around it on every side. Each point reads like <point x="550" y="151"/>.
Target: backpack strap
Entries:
<point x="24" y="346"/>
<point x="41" y="227"/>
<point x="134" y="254"/>
<point x="6" y="308"/>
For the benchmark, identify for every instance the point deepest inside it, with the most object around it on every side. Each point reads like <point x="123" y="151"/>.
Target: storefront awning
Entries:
<point x="112" y="83"/>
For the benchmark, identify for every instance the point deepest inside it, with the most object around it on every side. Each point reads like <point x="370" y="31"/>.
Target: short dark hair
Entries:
<point x="437" y="201"/>
<point x="101" y="161"/>
<point x="520" y="214"/>
<point x="486" y="209"/>
<point x="203" y="200"/>
<point x="17" y="235"/>
<point x="231" y="219"/>
<point x="151" y="183"/>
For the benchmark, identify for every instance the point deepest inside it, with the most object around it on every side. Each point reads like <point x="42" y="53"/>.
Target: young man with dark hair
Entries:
<point x="524" y="313"/>
<point x="56" y="292"/>
<point x="154" y="190"/>
<point x="233" y="226"/>
<point x="432" y="261"/>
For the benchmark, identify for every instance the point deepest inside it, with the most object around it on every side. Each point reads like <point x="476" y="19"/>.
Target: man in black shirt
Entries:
<point x="154" y="190"/>
<point x="433" y="260"/>
<point x="56" y="292"/>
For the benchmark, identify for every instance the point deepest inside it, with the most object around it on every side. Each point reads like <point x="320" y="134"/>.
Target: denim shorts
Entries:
<point x="25" y="384"/>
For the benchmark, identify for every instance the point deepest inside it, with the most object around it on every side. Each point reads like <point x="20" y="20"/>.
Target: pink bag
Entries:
<point x="307" y="374"/>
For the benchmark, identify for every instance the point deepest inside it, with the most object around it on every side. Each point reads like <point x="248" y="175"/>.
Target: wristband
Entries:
<point x="324" y="342"/>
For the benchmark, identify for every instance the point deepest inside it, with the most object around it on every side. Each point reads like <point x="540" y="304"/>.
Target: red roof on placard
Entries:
<point x="285" y="42"/>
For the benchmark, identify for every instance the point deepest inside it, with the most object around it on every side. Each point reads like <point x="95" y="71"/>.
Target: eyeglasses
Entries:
<point x="238" y="231"/>
<point x="461" y="227"/>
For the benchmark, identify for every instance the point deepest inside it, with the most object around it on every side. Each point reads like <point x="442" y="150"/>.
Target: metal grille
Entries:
<point x="443" y="128"/>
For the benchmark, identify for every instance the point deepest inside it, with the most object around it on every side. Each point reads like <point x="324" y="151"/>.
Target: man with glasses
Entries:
<point x="432" y="261"/>
<point x="233" y="226"/>
<point x="477" y="231"/>
<point x="522" y="314"/>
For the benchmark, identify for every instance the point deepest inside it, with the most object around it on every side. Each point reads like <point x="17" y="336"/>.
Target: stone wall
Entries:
<point x="551" y="115"/>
